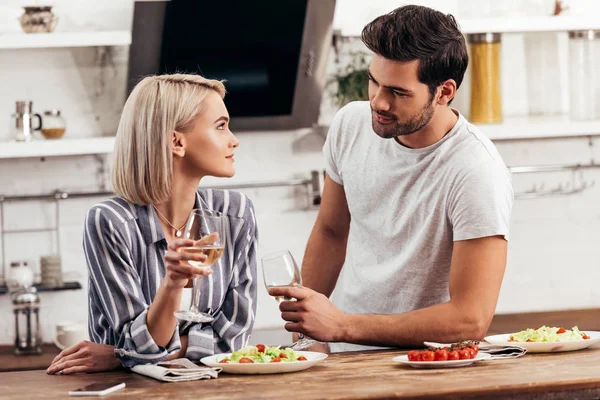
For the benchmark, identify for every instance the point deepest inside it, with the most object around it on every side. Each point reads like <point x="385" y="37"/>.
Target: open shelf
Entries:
<point x="57" y="147"/>
<point x="40" y="288"/>
<point x="23" y="40"/>
<point x="509" y="25"/>
<point x="522" y="128"/>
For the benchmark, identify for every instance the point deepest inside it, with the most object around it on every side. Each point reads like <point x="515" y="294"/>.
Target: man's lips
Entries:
<point x="383" y="119"/>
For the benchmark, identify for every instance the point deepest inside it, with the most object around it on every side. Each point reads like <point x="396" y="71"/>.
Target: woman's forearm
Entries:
<point x="161" y="320"/>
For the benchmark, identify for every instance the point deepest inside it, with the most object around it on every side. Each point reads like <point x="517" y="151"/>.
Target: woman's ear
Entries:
<point x="178" y="144"/>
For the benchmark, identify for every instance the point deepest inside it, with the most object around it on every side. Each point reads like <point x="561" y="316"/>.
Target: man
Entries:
<point x="413" y="226"/>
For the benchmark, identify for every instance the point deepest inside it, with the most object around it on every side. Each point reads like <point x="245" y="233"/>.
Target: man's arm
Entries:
<point x="476" y="274"/>
<point x="326" y="247"/>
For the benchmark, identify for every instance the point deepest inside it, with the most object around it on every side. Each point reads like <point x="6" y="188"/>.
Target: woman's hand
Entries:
<point x="84" y="357"/>
<point x="179" y="271"/>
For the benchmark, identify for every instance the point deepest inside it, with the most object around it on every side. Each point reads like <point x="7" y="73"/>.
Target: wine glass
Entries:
<point x="201" y="223"/>
<point x="280" y="270"/>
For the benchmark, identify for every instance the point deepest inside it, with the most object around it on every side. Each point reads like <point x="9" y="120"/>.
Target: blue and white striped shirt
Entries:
<point x="125" y="245"/>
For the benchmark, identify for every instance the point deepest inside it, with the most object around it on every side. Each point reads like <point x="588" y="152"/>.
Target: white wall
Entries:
<point x="553" y="243"/>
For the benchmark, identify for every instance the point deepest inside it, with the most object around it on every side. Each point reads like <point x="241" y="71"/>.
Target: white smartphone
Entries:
<point x="97" y="389"/>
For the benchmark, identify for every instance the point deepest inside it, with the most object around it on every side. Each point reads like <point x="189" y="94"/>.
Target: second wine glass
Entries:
<point x="280" y="270"/>
<point x="202" y="223"/>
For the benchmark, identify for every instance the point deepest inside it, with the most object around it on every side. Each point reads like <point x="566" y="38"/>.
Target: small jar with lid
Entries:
<point x="53" y="125"/>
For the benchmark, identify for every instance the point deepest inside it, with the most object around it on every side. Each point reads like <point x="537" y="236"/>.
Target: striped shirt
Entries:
<point x="125" y="245"/>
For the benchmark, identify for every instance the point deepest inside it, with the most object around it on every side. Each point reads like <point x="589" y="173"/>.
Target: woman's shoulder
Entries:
<point x="115" y="210"/>
<point x="229" y="202"/>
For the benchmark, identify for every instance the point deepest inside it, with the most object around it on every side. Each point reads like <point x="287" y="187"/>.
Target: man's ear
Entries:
<point x="448" y="91"/>
<point x="178" y="144"/>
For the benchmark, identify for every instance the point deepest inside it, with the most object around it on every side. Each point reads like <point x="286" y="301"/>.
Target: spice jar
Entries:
<point x="54" y="125"/>
<point x="486" y="101"/>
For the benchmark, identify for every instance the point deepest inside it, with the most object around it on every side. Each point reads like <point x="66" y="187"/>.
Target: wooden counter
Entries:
<point x="360" y="375"/>
<point x="9" y="361"/>
<point x="587" y="319"/>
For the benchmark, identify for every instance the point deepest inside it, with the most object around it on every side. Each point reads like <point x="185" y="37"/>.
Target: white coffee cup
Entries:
<point x="69" y="334"/>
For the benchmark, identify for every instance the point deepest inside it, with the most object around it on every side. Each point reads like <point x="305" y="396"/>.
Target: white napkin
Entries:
<point x="178" y="370"/>
<point x="495" y="350"/>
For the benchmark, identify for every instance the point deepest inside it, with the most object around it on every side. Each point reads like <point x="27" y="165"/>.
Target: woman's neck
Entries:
<point x="177" y="209"/>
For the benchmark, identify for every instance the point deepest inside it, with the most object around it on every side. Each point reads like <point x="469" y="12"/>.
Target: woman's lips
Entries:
<point x="384" y="120"/>
<point x="230" y="157"/>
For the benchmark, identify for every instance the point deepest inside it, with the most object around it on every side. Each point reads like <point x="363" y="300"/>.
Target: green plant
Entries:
<point x="352" y="83"/>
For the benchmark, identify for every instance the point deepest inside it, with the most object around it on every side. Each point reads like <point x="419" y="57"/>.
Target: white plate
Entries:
<point x="441" y="364"/>
<point x="547" y="347"/>
<point x="312" y="358"/>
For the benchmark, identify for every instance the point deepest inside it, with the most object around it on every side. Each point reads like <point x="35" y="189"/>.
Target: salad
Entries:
<point x="262" y="354"/>
<point x="548" y="334"/>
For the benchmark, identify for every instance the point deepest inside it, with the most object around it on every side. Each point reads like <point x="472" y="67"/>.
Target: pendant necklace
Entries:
<point x="178" y="231"/>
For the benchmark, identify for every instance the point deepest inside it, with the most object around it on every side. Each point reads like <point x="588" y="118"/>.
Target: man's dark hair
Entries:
<point x="420" y="33"/>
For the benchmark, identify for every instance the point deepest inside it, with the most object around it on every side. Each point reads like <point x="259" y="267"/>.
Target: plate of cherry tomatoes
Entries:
<point x="456" y="355"/>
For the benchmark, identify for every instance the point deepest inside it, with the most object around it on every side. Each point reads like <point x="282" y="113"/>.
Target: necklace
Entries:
<point x="177" y="230"/>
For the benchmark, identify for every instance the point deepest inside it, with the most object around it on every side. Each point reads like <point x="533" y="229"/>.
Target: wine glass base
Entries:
<point x="191" y="316"/>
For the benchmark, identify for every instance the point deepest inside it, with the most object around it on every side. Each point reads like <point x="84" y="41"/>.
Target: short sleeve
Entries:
<point x="331" y="150"/>
<point x="481" y="201"/>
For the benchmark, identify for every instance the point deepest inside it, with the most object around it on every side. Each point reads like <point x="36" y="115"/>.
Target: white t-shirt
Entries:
<point x="407" y="207"/>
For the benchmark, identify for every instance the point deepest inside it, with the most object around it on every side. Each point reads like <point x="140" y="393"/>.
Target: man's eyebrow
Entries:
<point x="222" y="118"/>
<point x="395" y="88"/>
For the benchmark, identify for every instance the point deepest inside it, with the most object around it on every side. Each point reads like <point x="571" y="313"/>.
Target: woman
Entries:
<point x="173" y="132"/>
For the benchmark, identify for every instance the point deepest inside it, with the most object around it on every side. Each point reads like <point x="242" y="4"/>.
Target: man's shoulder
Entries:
<point x="356" y="112"/>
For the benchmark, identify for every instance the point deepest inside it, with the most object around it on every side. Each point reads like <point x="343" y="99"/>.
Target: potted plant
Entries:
<point x="352" y="82"/>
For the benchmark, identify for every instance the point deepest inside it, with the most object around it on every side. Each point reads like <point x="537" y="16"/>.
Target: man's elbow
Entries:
<point x="476" y="328"/>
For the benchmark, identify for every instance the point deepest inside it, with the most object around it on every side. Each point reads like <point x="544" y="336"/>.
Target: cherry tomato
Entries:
<point x="276" y="359"/>
<point x="441" y="355"/>
<point x="561" y="330"/>
<point x="453" y="355"/>
<point x="427" y="355"/>
<point x="224" y="361"/>
<point x="475" y="348"/>
<point x="246" y="360"/>
<point x="260" y="348"/>
<point x="529" y="340"/>
<point x="585" y="336"/>
<point x="282" y="355"/>
<point x="301" y="358"/>
<point x="472" y="353"/>
<point x="414" y="355"/>
<point x="464" y="354"/>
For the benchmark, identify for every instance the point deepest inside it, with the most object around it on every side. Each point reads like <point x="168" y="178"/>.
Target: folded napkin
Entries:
<point x="178" y="370"/>
<point x="495" y="350"/>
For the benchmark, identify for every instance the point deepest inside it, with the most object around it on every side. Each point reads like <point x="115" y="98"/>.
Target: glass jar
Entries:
<point x="53" y="125"/>
<point x="486" y="100"/>
<point x="543" y="68"/>
<point x="583" y="76"/>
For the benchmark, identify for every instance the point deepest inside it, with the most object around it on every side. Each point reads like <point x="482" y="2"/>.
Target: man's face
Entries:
<point x="400" y="104"/>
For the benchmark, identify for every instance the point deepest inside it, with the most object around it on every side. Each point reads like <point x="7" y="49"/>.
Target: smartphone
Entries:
<point x="97" y="389"/>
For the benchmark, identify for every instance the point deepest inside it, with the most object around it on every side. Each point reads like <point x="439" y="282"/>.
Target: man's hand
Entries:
<point x="312" y="314"/>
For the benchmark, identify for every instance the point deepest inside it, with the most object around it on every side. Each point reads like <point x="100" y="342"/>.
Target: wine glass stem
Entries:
<point x="195" y="294"/>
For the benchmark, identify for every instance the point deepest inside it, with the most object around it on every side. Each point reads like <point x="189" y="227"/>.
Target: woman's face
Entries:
<point x="209" y="144"/>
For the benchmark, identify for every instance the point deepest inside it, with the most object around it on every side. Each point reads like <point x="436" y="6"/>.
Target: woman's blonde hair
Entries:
<point x="157" y="106"/>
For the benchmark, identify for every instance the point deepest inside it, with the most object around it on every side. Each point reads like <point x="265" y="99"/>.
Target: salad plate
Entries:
<point x="546" y="340"/>
<point x="312" y="358"/>
<point x="441" y="364"/>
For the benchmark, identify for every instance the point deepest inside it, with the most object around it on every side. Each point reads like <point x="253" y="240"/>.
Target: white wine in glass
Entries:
<point x="280" y="270"/>
<point x="202" y="223"/>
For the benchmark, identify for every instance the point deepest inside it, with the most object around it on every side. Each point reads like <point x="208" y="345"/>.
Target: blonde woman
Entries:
<point x="173" y="132"/>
